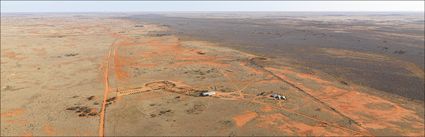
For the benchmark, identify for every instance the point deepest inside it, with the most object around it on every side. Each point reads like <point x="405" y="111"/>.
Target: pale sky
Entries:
<point x="140" y="6"/>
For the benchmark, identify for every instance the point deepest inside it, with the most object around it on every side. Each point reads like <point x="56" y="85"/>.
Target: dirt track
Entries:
<point x="96" y="75"/>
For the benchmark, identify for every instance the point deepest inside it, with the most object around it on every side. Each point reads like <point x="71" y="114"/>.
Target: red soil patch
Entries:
<point x="354" y="104"/>
<point x="209" y="63"/>
<point x="12" y="113"/>
<point x="13" y="55"/>
<point x="267" y="108"/>
<point x="145" y="65"/>
<point x="27" y="134"/>
<point x="162" y="48"/>
<point x="119" y="64"/>
<point x="278" y="121"/>
<point x="244" y="118"/>
<point x="49" y="130"/>
<point x="19" y="122"/>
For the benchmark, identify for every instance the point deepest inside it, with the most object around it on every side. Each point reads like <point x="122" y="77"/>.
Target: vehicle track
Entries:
<point x="106" y="88"/>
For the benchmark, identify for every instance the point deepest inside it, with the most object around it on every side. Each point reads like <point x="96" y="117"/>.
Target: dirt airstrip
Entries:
<point x="82" y="75"/>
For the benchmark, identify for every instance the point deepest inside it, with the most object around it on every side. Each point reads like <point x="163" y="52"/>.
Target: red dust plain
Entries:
<point x="105" y="76"/>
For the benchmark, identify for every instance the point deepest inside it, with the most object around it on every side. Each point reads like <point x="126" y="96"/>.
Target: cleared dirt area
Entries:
<point x="94" y="74"/>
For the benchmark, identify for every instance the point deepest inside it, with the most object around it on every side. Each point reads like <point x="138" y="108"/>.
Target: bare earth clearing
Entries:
<point x="89" y="75"/>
